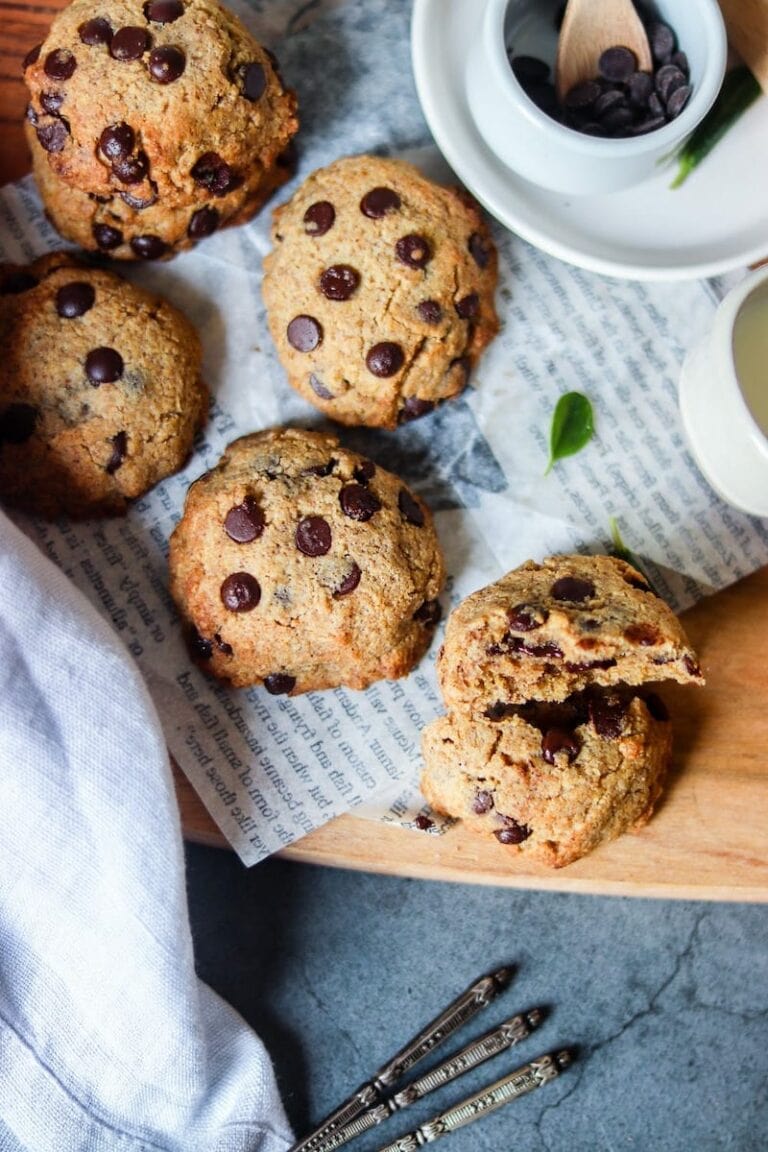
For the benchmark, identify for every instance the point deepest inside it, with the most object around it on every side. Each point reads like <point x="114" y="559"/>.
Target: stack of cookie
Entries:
<point x="554" y="741"/>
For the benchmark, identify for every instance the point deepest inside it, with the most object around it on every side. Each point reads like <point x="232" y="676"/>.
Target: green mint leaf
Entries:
<point x="572" y="427"/>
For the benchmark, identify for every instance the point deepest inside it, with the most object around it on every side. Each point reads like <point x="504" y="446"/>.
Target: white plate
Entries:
<point x="717" y="221"/>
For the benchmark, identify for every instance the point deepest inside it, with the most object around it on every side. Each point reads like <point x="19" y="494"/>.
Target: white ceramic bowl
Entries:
<point x="536" y="146"/>
<point x="725" y="439"/>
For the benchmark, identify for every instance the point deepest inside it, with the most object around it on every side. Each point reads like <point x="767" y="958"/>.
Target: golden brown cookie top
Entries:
<point x="303" y="565"/>
<point x="379" y="290"/>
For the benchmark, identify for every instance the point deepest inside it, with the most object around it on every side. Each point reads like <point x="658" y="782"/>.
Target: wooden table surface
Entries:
<point x="709" y="838"/>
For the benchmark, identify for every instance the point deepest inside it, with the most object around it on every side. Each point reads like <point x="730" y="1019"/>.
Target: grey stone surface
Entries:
<point x="667" y="1002"/>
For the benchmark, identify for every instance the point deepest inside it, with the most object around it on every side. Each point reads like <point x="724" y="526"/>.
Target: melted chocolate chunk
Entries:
<point x="75" y="299"/>
<point x="319" y="218"/>
<point x="557" y="740"/>
<point x="358" y="502"/>
<point x="349" y="582"/>
<point x="103" y="366"/>
<point x="413" y="408"/>
<point x="643" y="635"/>
<point x="131" y="170"/>
<point x="364" y="472"/>
<point x="512" y="832"/>
<point x="166" y="64"/>
<point x="410" y="509"/>
<point x="479" y="250"/>
<point x="148" y="247"/>
<point x="129" y="43"/>
<point x="339" y="282"/>
<point x="53" y="136"/>
<point x="429" y="613"/>
<point x="468" y="307"/>
<point x="211" y="172"/>
<point x="254" y="81"/>
<point x="117" y="141"/>
<point x="163" y="11"/>
<point x="244" y="522"/>
<point x="60" y="64"/>
<point x="413" y="251"/>
<point x="526" y="617"/>
<point x="572" y="590"/>
<point x="52" y="101"/>
<point x="430" y="311"/>
<point x="203" y="223"/>
<point x="119" y="444"/>
<point x="279" y="684"/>
<point x="607" y="713"/>
<point x="107" y="237"/>
<point x="423" y="823"/>
<point x="313" y="536"/>
<point x="483" y="801"/>
<point x="96" y="31"/>
<point x="378" y="202"/>
<point x="240" y="592"/>
<point x="17" y="423"/>
<point x="385" y="359"/>
<point x="304" y="333"/>
<point x="320" y="469"/>
<point x="319" y="388"/>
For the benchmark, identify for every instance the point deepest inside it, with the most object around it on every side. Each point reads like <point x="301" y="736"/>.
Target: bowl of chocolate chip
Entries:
<point x="614" y="128"/>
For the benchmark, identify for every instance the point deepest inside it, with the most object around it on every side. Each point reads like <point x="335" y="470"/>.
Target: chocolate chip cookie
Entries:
<point x="547" y="630"/>
<point x="100" y="389"/>
<point x="152" y="124"/>
<point x="379" y="290"/>
<point x="300" y="565"/>
<point x="551" y="783"/>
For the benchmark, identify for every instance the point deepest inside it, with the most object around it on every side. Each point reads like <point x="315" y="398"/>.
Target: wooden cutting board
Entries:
<point x="709" y="838"/>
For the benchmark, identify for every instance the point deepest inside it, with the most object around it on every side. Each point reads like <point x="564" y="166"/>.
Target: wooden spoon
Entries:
<point x="589" y="28"/>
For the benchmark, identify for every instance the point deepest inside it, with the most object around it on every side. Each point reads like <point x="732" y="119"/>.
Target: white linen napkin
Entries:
<point x="107" y="1038"/>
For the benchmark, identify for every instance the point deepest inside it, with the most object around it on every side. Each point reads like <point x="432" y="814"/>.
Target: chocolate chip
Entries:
<point x="572" y="589"/>
<point x="117" y="141"/>
<point x="254" y="81"/>
<point x="339" y="281"/>
<point x="199" y="647"/>
<point x="378" y="202"/>
<point x="668" y="79"/>
<point x="204" y="223"/>
<point x="213" y="173"/>
<point x="107" y="237"/>
<point x="468" y="307"/>
<point x="639" y="88"/>
<point x="607" y="715"/>
<point x="319" y="388"/>
<point x="320" y="469"/>
<point x="479" y="250"/>
<point x="644" y="635"/>
<point x="557" y="740"/>
<point x="429" y="613"/>
<point x="222" y="645"/>
<point x="131" y="170"/>
<point x="148" y="247"/>
<point x="678" y="100"/>
<point x="129" y="43"/>
<point x="512" y="833"/>
<point x="304" y="333"/>
<point x="319" y="218"/>
<point x="662" y="41"/>
<point x="617" y="120"/>
<point x="385" y="359"/>
<point x="163" y="11"/>
<point x="483" y="802"/>
<point x="119" y="444"/>
<point x="75" y="299"/>
<point x="680" y="60"/>
<point x="581" y="666"/>
<point x="17" y="423"/>
<point x="364" y="472"/>
<point x="606" y="101"/>
<point x="59" y="64"/>
<point x="655" y="107"/>
<point x="413" y="250"/>
<point x="240" y="592"/>
<point x="656" y="707"/>
<point x="349" y="583"/>
<point x="17" y="282"/>
<point x="358" y="502"/>
<point x="413" y="407"/>
<point x="279" y="684"/>
<point x="423" y="823"/>
<point x="313" y="536"/>
<point x="30" y="114"/>
<point x="51" y="101"/>
<point x="514" y="644"/>
<point x="166" y="64"/>
<point x="103" y="366"/>
<point x="529" y="69"/>
<point x="430" y="311"/>
<point x="617" y="64"/>
<point x="410" y="509"/>
<point x="526" y="617"/>
<point x="138" y="202"/>
<point x="582" y="96"/>
<point x="52" y="136"/>
<point x="31" y="57"/>
<point x="244" y="522"/>
<point x="96" y="31"/>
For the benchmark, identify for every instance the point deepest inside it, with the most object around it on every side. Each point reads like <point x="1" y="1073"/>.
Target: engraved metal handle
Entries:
<point x="459" y="1011"/>
<point x="523" y="1080"/>
<point x="509" y="1033"/>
